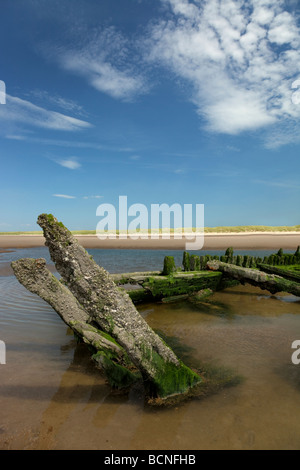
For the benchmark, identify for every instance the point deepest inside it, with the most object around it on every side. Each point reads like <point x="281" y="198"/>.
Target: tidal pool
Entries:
<point x="52" y="397"/>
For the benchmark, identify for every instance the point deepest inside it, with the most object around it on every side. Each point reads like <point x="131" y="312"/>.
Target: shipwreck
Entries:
<point x="100" y="308"/>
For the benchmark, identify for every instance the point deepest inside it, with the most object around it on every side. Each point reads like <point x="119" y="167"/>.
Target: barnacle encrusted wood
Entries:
<point x="112" y="311"/>
<point x="34" y="275"/>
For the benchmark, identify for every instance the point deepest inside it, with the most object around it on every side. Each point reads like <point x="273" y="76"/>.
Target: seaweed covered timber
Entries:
<point x="99" y="307"/>
<point x="200" y="276"/>
<point x="103" y="316"/>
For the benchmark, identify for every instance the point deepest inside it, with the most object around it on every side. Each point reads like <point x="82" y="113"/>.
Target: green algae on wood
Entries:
<point x="169" y="265"/>
<point x="140" y="295"/>
<point x="117" y="375"/>
<point x="194" y="263"/>
<point x="34" y="275"/>
<point x="112" y="310"/>
<point x="182" y="283"/>
<point x="286" y="272"/>
<point x="186" y="261"/>
<point x="270" y="282"/>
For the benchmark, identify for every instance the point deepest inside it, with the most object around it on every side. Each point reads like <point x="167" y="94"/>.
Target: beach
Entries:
<point x="50" y="385"/>
<point x="212" y="241"/>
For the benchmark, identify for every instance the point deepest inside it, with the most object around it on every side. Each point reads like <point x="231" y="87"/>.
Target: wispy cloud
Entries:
<point x="104" y="63"/>
<point x="71" y="163"/>
<point x="21" y="111"/>
<point x="15" y="137"/>
<point x="135" y="157"/>
<point x="64" y="196"/>
<point x="79" y="144"/>
<point x="67" y="196"/>
<point x="279" y="184"/>
<point x="232" y="148"/>
<point x="240" y="57"/>
<point x="68" y="105"/>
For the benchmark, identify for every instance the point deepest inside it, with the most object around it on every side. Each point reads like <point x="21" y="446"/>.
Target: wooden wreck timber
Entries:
<point x="99" y="307"/>
<point x="156" y="286"/>
<point x="196" y="280"/>
<point x="33" y="274"/>
<point x="271" y="282"/>
<point x="102" y="305"/>
<point x="284" y="271"/>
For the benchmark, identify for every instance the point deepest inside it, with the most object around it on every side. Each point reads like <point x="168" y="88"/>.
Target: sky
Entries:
<point x="162" y="101"/>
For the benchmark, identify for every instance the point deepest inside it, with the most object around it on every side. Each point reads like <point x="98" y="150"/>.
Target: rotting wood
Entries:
<point x="271" y="282"/>
<point x="111" y="310"/>
<point x="109" y="355"/>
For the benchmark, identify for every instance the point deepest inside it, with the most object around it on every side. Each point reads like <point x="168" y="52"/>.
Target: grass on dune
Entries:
<point x="221" y="229"/>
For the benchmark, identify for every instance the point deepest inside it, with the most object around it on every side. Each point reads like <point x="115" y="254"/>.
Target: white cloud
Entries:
<point x="239" y="111"/>
<point x="64" y="196"/>
<point x="103" y="76"/>
<point x="70" y="163"/>
<point x="92" y="197"/>
<point x="284" y="30"/>
<point x="231" y="54"/>
<point x="66" y="104"/>
<point x="21" y="111"/>
<point x="262" y="15"/>
<point x="104" y="63"/>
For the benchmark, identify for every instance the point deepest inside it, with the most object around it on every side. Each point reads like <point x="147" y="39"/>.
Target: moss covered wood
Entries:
<point x="194" y="263"/>
<point x="186" y="261"/>
<point x="169" y="265"/>
<point x="283" y="272"/>
<point x="34" y="275"/>
<point x="270" y="282"/>
<point x="114" y="312"/>
<point x="182" y="283"/>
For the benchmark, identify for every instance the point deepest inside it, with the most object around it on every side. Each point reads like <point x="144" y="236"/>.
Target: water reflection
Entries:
<point x="52" y="397"/>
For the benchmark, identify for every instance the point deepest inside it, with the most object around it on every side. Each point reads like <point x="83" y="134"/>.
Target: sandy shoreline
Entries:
<point x="212" y="241"/>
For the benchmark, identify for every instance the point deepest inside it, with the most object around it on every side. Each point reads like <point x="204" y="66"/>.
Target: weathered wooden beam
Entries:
<point x="109" y="355"/>
<point x="114" y="312"/>
<point x="281" y="271"/>
<point x="270" y="282"/>
<point x="181" y="283"/>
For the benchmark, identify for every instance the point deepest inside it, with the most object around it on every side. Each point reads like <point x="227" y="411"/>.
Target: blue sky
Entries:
<point x="164" y="101"/>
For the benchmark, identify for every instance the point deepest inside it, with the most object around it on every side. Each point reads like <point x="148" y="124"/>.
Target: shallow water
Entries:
<point x="52" y="397"/>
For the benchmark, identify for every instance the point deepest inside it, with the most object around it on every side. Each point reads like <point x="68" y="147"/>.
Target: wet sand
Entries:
<point x="53" y="398"/>
<point x="50" y="390"/>
<point x="220" y="241"/>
